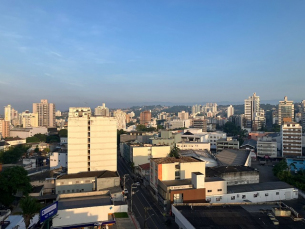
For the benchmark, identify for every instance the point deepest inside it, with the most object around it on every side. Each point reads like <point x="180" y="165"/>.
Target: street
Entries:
<point x="141" y="199"/>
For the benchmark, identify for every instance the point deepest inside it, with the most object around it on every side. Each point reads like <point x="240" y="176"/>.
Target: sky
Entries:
<point x="84" y="53"/>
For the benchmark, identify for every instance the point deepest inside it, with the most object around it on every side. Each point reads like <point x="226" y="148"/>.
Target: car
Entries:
<point x="137" y="183"/>
<point x="125" y="192"/>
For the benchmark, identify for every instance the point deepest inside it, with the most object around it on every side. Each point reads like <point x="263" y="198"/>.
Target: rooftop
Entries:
<point x="232" y="157"/>
<point x="167" y="160"/>
<point x="176" y="182"/>
<point x="145" y="166"/>
<point x="258" y="187"/>
<point x="13" y="139"/>
<point x="84" y="202"/>
<point x="217" y="171"/>
<point x="98" y="174"/>
<point x="250" y="142"/>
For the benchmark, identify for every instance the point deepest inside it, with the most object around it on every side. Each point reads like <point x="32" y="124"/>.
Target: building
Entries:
<point x="183" y="115"/>
<point x="254" y="116"/>
<point x="5" y="128"/>
<point x="200" y="124"/>
<point x="88" y="182"/>
<point x="145" y="117"/>
<point x="92" y="141"/>
<point x="194" y="145"/>
<point x="8" y="113"/>
<point x="87" y="210"/>
<point x="285" y="111"/>
<point x="102" y="111"/>
<point x="170" y="168"/>
<point x="229" y="157"/>
<point x="121" y="119"/>
<point x="58" y="113"/>
<point x="234" y="175"/>
<point x="226" y="143"/>
<point x="202" y="155"/>
<point x="58" y="159"/>
<point x="291" y="139"/>
<point x="303" y="114"/>
<point x="230" y="111"/>
<point x="177" y="124"/>
<point x="46" y="113"/>
<point x="167" y="138"/>
<point x="28" y="132"/>
<point x="266" y="147"/>
<point x="29" y="119"/>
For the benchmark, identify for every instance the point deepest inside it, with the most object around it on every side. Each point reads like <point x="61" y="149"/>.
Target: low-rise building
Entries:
<point x="266" y="147"/>
<point x="90" y="210"/>
<point x="226" y="143"/>
<point x="58" y="159"/>
<point x="28" y="132"/>
<point x="15" y="141"/>
<point x="167" y="138"/>
<point x="234" y="175"/>
<point x="193" y="145"/>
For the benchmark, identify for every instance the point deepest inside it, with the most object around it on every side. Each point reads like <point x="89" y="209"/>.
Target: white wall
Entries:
<point x="212" y="187"/>
<point x="86" y="215"/>
<point x="58" y="160"/>
<point x="283" y="195"/>
<point x="194" y="146"/>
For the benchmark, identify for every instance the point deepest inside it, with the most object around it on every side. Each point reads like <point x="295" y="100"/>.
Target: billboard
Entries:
<point x="48" y="211"/>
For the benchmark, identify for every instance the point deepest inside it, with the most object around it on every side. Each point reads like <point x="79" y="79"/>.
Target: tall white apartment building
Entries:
<point x="253" y="113"/>
<point x="266" y="146"/>
<point x="291" y="139"/>
<point x="92" y="141"/>
<point x="46" y="113"/>
<point x="286" y="111"/>
<point x="58" y="113"/>
<point x="183" y="115"/>
<point x="102" y="111"/>
<point x="303" y="114"/>
<point x="29" y="119"/>
<point x="230" y="111"/>
<point x="121" y="119"/>
<point x="8" y="113"/>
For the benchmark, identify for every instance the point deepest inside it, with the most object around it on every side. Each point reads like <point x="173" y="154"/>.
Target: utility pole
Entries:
<point x="145" y="216"/>
<point x="132" y="187"/>
<point x="124" y="179"/>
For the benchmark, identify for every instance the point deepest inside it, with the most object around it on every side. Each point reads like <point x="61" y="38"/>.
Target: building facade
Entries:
<point x="121" y="119"/>
<point x="230" y="111"/>
<point x="183" y="115"/>
<point x="92" y="141"/>
<point x="285" y="111"/>
<point x="145" y="117"/>
<point x="291" y="139"/>
<point x="5" y="128"/>
<point x="102" y="111"/>
<point x="303" y="113"/>
<point x="226" y="143"/>
<point x="254" y="116"/>
<point x="200" y="124"/>
<point x="266" y="147"/>
<point x="46" y="113"/>
<point x="29" y="119"/>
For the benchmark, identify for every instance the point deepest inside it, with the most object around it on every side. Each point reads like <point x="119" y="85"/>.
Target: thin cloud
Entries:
<point x="55" y="54"/>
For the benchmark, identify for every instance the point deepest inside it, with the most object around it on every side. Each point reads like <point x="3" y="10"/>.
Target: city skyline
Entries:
<point x="145" y="52"/>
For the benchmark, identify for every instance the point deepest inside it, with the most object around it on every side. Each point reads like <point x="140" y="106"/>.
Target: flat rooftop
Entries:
<point x="84" y="202"/>
<point x="176" y="182"/>
<point x="218" y="171"/>
<point x="258" y="187"/>
<point x="98" y="174"/>
<point x="167" y="160"/>
<point x="234" y="217"/>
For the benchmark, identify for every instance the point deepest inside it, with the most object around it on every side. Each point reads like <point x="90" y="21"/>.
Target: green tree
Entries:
<point x="160" y="127"/>
<point x="279" y="167"/>
<point x="29" y="207"/>
<point x="141" y="127"/>
<point x="132" y="166"/>
<point x="13" y="154"/>
<point x="276" y="128"/>
<point x="36" y="150"/>
<point x="63" y="133"/>
<point x="174" y="152"/>
<point x="12" y="180"/>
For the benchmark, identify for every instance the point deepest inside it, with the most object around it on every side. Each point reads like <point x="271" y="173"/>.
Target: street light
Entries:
<point x="132" y="187"/>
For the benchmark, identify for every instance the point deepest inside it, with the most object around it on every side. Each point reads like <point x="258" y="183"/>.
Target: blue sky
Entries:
<point x="84" y="53"/>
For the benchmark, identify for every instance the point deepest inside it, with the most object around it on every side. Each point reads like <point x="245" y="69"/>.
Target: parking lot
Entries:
<point x="265" y="171"/>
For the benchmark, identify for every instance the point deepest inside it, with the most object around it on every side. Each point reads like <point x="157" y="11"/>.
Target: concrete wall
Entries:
<point x="141" y="155"/>
<point x="187" y="168"/>
<point x="58" y="160"/>
<point x="263" y="196"/>
<point x="194" y="146"/>
<point x="215" y="188"/>
<point x="86" y="215"/>
<point x="244" y="177"/>
<point x="103" y="183"/>
<point x="167" y="171"/>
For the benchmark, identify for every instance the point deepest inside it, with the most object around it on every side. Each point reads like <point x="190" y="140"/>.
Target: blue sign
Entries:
<point x="48" y="212"/>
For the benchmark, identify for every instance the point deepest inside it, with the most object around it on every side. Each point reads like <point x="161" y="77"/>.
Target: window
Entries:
<point x="63" y="191"/>
<point x="87" y="181"/>
<point x="219" y="190"/>
<point x="232" y="197"/>
<point x="266" y="194"/>
<point x="68" y="191"/>
<point x="218" y="199"/>
<point x="72" y="190"/>
<point x="76" y="182"/>
<point x="255" y="195"/>
<point x="243" y="196"/>
<point x="209" y="190"/>
<point x="277" y="193"/>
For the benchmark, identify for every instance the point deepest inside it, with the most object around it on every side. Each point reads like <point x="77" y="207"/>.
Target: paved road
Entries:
<point x="141" y="199"/>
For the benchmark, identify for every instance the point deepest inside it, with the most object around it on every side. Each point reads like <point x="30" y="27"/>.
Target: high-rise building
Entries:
<point x="303" y="114"/>
<point x="8" y="113"/>
<point x="291" y="139"/>
<point x="92" y="141"/>
<point x="46" y="113"/>
<point x="230" y="111"/>
<point x="200" y="124"/>
<point x="121" y="119"/>
<point x="183" y="115"/>
<point x="29" y="119"/>
<point x="58" y="113"/>
<point x="145" y="117"/>
<point x="285" y="111"/>
<point x="4" y="128"/>
<point x="252" y="110"/>
<point x="102" y="111"/>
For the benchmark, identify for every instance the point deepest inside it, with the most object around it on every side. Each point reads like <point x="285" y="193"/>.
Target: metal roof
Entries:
<point x="258" y="187"/>
<point x="84" y="202"/>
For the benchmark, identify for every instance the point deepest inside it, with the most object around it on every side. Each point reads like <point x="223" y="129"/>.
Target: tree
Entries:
<point x="13" y="154"/>
<point x="174" y="152"/>
<point x="36" y="150"/>
<point x="12" y="180"/>
<point x="29" y="207"/>
<point x="63" y="133"/>
<point x="276" y="128"/>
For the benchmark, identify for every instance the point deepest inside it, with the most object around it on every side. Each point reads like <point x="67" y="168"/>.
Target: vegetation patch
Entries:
<point x="121" y="215"/>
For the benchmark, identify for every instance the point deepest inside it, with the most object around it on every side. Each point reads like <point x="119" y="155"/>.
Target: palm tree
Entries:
<point x="29" y="208"/>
